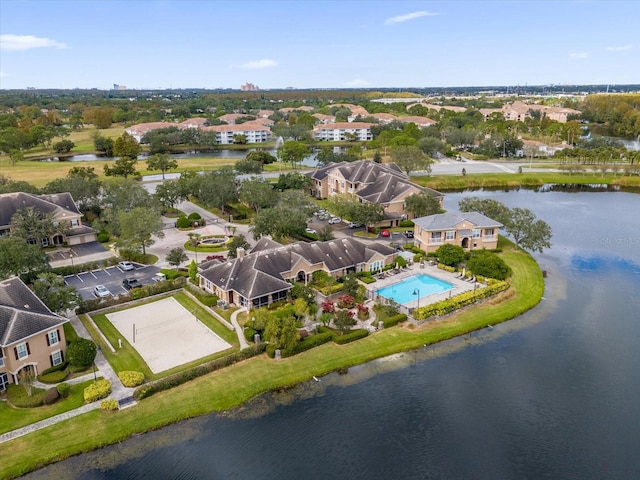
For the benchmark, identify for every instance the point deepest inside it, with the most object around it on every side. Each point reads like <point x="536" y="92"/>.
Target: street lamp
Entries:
<point x="416" y="291"/>
<point x="71" y="258"/>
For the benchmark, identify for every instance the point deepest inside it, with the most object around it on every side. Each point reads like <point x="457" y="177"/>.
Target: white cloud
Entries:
<point x="11" y="42"/>
<point x="263" y="63"/>
<point x="408" y="16"/>
<point x="620" y="48"/>
<point x="2" y="74"/>
<point x="579" y="55"/>
<point x="358" y="82"/>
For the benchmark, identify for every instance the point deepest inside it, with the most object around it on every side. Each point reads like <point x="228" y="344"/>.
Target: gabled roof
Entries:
<point x="22" y="313"/>
<point x="448" y="221"/>
<point x="60" y="204"/>
<point x="264" y="271"/>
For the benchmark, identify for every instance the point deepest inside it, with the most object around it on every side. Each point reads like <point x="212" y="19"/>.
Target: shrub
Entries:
<point x="352" y="336"/>
<point x="363" y="311"/>
<point x="208" y="299"/>
<point x="450" y="255"/>
<point x="183" y="222"/>
<point x="56" y="368"/>
<point x="303" y="345"/>
<point x="194" y="216"/>
<point x="130" y="378"/>
<point x="446" y="268"/>
<point x="53" y="377"/>
<point x="464" y="299"/>
<point x="81" y="352"/>
<point x="406" y="224"/>
<point x="394" y="320"/>
<point x="103" y="237"/>
<point x="132" y="255"/>
<point x="328" y="307"/>
<point x="97" y="390"/>
<point x="51" y="396"/>
<point x="346" y="301"/>
<point x="331" y="289"/>
<point x="174" y="380"/>
<point x="63" y="389"/>
<point x="487" y="264"/>
<point x="109" y="405"/>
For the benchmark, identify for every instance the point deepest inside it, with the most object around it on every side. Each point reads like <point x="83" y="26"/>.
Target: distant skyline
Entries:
<point x="159" y="44"/>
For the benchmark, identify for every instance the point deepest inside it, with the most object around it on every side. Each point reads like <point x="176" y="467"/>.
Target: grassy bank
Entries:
<point x="232" y="386"/>
<point x="504" y="180"/>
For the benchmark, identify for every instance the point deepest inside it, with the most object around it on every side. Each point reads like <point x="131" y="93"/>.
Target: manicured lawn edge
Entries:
<point x="232" y="386"/>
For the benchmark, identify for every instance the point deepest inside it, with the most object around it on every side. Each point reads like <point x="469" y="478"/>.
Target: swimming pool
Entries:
<point x="402" y="292"/>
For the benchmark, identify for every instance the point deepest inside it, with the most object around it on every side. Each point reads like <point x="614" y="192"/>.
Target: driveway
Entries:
<point x="78" y="254"/>
<point x="110" y="277"/>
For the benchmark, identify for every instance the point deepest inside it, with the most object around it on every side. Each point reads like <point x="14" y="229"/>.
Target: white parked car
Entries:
<point x="126" y="266"/>
<point x="311" y="230"/>
<point x="335" y="220"/>
<point x="101" y="291"/>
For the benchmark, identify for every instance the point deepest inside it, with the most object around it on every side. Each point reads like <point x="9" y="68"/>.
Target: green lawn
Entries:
<point x="13" y="418"/>
<point x="227" y="388"/>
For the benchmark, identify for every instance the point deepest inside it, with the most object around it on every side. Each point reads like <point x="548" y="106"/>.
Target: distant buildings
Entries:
<point x="249" y="87"/>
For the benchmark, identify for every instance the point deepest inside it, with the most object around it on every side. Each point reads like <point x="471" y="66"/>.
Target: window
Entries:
<point x="56" y="358"/>
<point x="22" y="351"/>
<point x="476" y="233"/>
<point x="1" y="358"/>
<point x="451" y="235"/>
<point x="436" y="237"/>
<point x="488" y="232"/>
<point x="377" y="265"/>
<point x="75" y="223"/>
<point x="52" y="338"/>
<point x="4" y="381"/>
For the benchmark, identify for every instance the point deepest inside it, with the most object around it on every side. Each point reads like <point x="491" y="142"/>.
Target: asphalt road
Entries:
<point x="110" y="277"/>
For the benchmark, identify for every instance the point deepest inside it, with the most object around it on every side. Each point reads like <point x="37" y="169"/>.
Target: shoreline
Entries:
<point x="234" y="386"/>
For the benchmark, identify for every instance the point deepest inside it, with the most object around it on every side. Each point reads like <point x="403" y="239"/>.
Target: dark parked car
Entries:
<point x="409" y="234"/>
<point x="129" y="283"/>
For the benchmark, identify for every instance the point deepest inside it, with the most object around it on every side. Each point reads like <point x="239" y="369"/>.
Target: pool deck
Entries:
<point x="459" y="286"/>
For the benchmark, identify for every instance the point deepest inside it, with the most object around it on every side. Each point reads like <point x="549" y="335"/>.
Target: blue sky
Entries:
<point x="316" y="44"/>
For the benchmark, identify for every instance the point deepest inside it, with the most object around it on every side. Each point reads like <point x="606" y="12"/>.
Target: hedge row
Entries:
<point x="83" y="267"/>
<point x="394" y="320"/>
<point x="109" y="405"/>
<point x="135" y="294"/>
<point x="303" y="345"/>
<point x="53" y="377"/>
<point x="331" y="289"/>
<point x="183" y="377"/>
<point x="97" y="391"/>
<point x="464" y="299"/>
<point x="207" y="299"/>
<point x="352" y="336"/>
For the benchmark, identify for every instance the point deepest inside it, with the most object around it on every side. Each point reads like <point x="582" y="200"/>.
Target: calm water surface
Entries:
<point x="553" y="394"/>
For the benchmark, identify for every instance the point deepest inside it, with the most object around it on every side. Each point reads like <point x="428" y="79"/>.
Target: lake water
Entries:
<point x="553" y="394"/>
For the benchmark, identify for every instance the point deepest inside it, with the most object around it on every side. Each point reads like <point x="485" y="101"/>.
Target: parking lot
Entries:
<point x="111" y="278"/>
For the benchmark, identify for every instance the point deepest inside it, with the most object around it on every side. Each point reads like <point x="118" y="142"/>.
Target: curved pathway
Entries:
<point x="118" y="391"/>
<point x="239" y="330"/>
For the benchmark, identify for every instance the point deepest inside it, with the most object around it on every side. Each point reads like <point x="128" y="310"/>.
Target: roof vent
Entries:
<point x="26" y="305"/>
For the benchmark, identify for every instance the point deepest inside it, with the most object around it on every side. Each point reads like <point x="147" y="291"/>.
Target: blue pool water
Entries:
<point x="402" y="292"/>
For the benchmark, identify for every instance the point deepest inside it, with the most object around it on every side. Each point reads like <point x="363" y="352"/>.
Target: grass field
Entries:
<point x="234" y="385"/>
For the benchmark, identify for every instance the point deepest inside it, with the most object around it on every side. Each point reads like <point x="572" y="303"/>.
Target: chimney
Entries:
<point x="240" y="252"/>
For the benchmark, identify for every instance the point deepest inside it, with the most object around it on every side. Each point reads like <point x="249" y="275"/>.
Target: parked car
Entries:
<point x="126" y="266"/>
<point x="409" y="234"/>
<point x="311" y="230"/>
<point x="129" y="283"/>
<point x="385" y="233"/>
<point x="334" y="220"/>
<point x="355" y="225"/>
<point x="101" y="291"/>
<point x="159" y="277"/>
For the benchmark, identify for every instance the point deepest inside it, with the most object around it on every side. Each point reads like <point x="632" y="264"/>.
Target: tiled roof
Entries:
<point x="264" y="271"/>
<point x="59" y="204"/>
<point x="445" y="221"/>
<point x="243" y="127"/>
<point x="22" y="314"/>
<point x="417" y="120"/>
<point x="142" y="128"/>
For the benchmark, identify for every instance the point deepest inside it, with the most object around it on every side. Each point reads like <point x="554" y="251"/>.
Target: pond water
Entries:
<point x="552" y="394"/>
